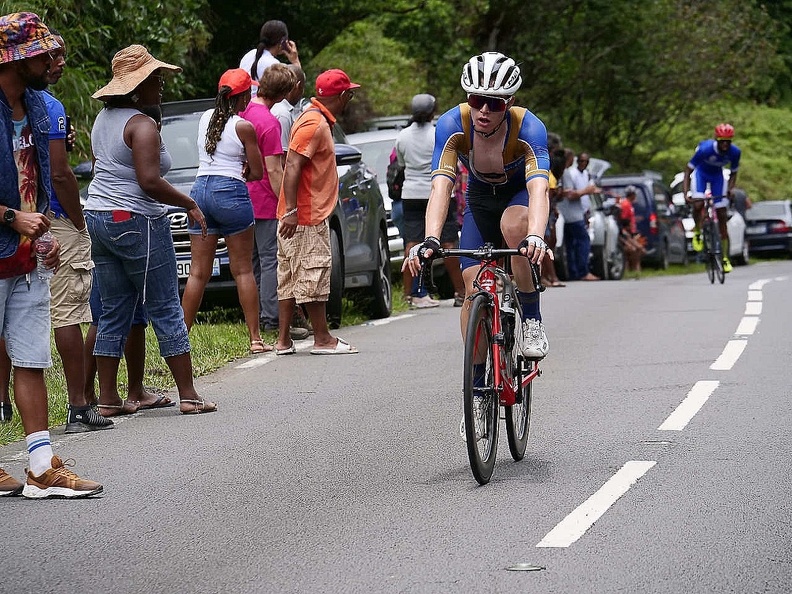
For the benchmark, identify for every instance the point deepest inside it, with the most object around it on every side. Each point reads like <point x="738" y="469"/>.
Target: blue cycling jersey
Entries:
<point x="708" y="164"/>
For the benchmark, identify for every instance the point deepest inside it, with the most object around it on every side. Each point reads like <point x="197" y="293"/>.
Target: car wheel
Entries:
<point x="381" y="288"/>
<point x="616" y="265"/>
<point x="662" y="258"/>
<point x="335" y="300"/>
<point x="744" y="258"/>
<point x="599" y="264"/>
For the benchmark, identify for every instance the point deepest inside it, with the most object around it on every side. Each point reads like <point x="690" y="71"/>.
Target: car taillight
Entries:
<point x="653" y="224"/>
<point x="778" y="227"/>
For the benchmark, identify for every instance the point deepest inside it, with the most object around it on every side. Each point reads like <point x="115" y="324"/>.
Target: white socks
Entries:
<point x="40" y="452"/>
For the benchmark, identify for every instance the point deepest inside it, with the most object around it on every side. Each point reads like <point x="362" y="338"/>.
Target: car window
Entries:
<point x="180" y="135"/>
<point x="761" y="210"/>
<point x="376" y="155"/>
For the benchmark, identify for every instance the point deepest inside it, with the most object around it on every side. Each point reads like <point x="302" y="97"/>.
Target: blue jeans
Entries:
<point x="136" y="258"/>
<point x="95" y="301"/>
<point x="578" y="247"/>
<point x="25" y="320"/>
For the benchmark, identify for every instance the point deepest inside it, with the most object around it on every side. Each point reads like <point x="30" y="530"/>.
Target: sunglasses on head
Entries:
<point x="493" y="103"/>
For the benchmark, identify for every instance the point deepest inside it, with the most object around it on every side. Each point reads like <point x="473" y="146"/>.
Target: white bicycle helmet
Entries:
<point x="491" y="73"/>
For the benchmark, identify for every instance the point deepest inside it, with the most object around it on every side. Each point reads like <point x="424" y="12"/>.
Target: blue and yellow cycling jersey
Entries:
<point x="524" y="151"/>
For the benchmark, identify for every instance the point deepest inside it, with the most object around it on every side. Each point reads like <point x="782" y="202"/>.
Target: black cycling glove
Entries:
<point x="430" y="243"/>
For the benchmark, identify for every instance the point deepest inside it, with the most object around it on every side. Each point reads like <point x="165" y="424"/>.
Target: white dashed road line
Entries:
<point x="581" y="519"/>
<point x="692" y="403"/>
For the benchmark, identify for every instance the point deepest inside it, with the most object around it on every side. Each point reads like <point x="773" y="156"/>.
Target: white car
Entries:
<point x="735" y="226"/>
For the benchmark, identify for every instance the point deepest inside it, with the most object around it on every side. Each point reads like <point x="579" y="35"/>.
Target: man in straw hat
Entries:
<point x="25" y="61"/>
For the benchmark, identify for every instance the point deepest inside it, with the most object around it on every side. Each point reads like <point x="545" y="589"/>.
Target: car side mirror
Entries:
<point x="83" y="170"/>
<point x="346" y="154"/>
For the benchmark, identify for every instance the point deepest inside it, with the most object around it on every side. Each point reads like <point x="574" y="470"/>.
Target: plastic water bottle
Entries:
<point x="43" y="246"/>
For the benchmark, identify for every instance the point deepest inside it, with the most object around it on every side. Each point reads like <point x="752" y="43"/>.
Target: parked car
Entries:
<point x="655" y="216"/>
<point x="607" y="256"/>
<point x="735" y="226"/>
<point x="769" y="225"/>
<point x="358" y="230"/>
<point x="376" y="147"/>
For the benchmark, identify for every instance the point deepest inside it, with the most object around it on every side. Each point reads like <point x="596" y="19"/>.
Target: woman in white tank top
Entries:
<point x="229" y="156"/>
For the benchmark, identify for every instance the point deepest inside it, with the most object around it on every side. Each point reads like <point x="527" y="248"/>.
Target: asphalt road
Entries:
<point x="659" y="461"/>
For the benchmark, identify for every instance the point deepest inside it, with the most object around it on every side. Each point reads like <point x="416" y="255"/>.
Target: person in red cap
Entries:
<point x="25" y="62"/>
<point x="228" y="157"/>
<point x="307" y="198"/>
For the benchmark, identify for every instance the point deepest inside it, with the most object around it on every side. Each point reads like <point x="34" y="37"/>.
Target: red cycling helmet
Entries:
<point x="724" y="132"/>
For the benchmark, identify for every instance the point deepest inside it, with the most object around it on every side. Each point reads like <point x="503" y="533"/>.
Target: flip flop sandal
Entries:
<point x="201" y="406"/>
<point x="257" y="347"/>
<point x="121" y="409"/>
<point x="161" y="402"/>
<point x="290" y="350"/>
<point x="342" y="347"/>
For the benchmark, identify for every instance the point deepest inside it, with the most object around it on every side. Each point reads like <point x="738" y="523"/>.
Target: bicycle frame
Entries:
<point x="486" y="283"/>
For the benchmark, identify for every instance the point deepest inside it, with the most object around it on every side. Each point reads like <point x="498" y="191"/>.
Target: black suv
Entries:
<point x="655" y="215"/>
<point x="358" y="231"/>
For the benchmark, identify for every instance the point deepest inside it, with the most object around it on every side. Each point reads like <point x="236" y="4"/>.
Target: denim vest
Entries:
<point x="9" y="174"/>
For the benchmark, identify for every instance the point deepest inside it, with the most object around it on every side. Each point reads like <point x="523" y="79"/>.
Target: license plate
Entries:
<point x="183" y="268"/>
<point x="756" y="230"/>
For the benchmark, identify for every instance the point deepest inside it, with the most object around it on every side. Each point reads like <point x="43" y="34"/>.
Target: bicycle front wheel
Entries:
<point x="480" y="401"/>
<point x="718" y="265"/>
<point x="518" y="416"/>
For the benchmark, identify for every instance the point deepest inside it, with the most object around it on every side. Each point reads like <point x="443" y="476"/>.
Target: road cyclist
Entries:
<point x="504" y="148"/>
<point x="706" y="165"/>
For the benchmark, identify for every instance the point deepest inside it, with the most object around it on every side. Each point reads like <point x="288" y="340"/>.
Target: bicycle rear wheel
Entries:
<point x="709" y="250"/>
<point x="518" y="416"/>
<point x="480" y="401"/>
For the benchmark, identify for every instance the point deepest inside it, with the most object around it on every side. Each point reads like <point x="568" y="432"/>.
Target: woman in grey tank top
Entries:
<point x="126" y="218"/>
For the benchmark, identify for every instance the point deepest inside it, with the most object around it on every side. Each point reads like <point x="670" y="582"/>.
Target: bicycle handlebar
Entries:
<point x="486" y="252"/>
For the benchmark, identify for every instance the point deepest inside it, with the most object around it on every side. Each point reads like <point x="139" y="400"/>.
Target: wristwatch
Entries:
<point x="9" y="216"/>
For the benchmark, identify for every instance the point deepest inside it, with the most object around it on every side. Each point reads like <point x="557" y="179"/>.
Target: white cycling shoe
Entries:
<point x="533" y="341"/>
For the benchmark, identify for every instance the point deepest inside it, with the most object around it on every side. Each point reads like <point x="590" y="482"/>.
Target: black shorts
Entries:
<point x="414" y="226"/>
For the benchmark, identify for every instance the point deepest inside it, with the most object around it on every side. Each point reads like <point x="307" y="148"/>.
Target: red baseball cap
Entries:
<point x="236" y="79"/>
<point x="333" y="82"/>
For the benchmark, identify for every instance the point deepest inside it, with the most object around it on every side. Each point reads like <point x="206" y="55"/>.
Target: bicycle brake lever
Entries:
<point x="536" y="280"/>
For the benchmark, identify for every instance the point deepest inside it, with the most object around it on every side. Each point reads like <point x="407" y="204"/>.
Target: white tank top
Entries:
<point x="229" y="154"/>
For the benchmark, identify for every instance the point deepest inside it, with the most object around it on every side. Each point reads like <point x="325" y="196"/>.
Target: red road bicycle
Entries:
<point x="495" y="372"/>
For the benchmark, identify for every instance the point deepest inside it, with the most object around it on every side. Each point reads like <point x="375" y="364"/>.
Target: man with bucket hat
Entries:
<point x="25" y="61"/>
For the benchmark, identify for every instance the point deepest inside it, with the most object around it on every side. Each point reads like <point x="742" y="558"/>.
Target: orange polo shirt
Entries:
<point x="317" y="192"/>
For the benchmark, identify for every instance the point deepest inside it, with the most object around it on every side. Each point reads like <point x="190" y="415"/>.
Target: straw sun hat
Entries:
<point x="131" y="66"/>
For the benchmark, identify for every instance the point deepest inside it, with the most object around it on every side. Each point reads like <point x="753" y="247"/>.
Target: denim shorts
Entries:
<point x="225" y="203"/>
<point x="25" y="320"/>
<point x="136" y="258"/>
<point x="139" y="319"/>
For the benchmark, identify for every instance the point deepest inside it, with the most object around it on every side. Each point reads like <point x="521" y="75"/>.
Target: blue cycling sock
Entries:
<point x="530" y="305"/>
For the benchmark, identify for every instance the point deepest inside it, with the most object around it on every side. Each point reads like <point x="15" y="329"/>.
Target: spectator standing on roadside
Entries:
<point x="25" y="62"/>
<point x="228" y="157"/>
<point x="273" y="42"/>
<point x="291" y="106"/>
<point x="132" y="243"/>
<point x="308" y="197"/>
<point x="276" y="82"/>
<point x="414" y="150"/>
<point x="741" y="201"/>
<point x="554" y="191"/>
<point x="578" y="244"/>
<point x="629" y="238"/>
<point x="71" y="287"/>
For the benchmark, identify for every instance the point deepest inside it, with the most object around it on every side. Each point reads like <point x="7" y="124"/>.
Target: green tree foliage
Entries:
<point x="95" y="30"/>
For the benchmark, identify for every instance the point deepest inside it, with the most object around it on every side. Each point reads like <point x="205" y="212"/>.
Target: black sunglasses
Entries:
<point x="493" y="103"/>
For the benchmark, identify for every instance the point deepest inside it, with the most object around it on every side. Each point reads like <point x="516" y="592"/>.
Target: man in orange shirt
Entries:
<point x="307" y="198"/>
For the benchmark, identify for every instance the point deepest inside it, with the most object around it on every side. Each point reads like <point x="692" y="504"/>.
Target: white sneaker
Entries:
<point x="423" y="302"/>
<point x="533" y="342"/>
